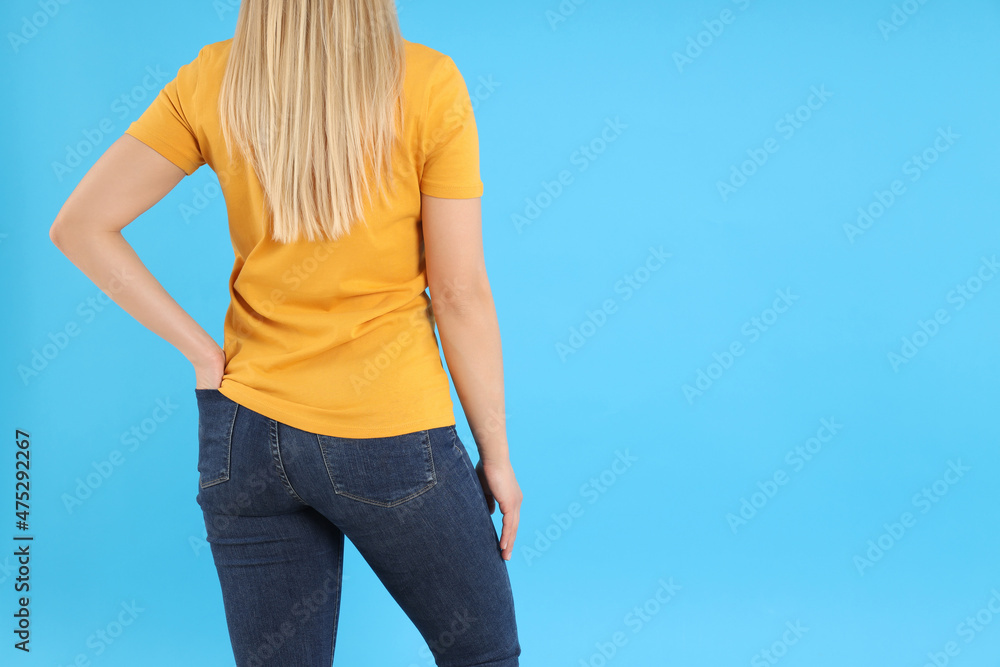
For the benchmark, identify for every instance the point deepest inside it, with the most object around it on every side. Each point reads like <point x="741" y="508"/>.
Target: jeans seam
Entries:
<point x="454" y="439"/>
<point x="336" y="613"/>
<point x="430" y="485"/>
<point x="462" y="453"/>
<point x="278" y="465"/>
<point x="224" y="477"/>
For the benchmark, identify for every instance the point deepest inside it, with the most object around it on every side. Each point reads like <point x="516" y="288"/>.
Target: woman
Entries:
<point x="349" y="161"/>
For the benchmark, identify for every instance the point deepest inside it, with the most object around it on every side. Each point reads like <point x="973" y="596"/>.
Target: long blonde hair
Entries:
<point x="311" y="98"/>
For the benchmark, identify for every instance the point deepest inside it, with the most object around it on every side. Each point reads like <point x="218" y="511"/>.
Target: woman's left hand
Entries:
<point x="209" y="371"/>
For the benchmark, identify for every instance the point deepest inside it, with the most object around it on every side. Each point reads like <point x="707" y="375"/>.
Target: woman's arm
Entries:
<point x="466" y="316"/>
<point x="124" y="182"/>
<point x="470" y="337"/>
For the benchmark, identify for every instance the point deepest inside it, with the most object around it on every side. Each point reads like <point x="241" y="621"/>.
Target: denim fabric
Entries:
<point x="278" y="502"/>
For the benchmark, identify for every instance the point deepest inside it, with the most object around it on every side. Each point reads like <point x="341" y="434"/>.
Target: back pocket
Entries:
<point x="383" y="471"/>
<point x="216" y="415"/>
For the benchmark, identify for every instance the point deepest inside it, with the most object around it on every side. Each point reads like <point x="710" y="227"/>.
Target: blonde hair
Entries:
<point x="311" y="98"/>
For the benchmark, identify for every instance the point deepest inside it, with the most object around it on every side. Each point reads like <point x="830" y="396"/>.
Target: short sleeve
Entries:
<point x="450" y="140"/>
<point x="167" y="125"/>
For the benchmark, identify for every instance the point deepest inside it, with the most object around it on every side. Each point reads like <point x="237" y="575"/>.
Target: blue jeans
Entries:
<point x="278" y="502"/>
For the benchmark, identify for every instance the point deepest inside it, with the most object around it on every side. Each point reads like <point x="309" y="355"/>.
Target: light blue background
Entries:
<point x="137" y="538"/>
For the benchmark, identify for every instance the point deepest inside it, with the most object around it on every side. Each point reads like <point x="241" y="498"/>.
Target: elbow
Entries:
<point x="56" y="234"/>
<point x="59" y="230"/>
<point x="63" y="233"/>
<point x="458" y="298"/>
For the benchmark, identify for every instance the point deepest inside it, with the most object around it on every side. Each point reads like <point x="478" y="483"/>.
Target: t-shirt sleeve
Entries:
<point x="450" y="140"/>
<point x="167" y="125"/>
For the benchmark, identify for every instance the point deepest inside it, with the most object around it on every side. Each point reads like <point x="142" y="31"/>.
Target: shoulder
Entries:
<point x="203" y="72"/>
<point x="215" y="51"/>
<point x="421" y="53"/>
<point x="209" y="58"/>
<point x="424" y="63"/>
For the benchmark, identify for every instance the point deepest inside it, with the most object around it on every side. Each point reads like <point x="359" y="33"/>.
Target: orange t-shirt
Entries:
<point x="335" y="338"/>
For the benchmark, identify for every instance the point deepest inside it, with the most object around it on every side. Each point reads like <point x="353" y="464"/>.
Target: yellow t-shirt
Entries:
<point x="335" y="338"/>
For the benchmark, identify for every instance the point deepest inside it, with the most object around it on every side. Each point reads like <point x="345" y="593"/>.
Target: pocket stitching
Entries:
<point x="429" y="458"/>
<point x="224" y="474"/>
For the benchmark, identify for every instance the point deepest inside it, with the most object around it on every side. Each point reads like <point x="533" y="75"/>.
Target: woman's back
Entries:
<point x="334" y="337"/>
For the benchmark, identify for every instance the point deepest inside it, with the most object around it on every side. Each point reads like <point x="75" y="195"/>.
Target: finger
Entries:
<point x="513" y="534"/>
<point x="507" y="534"/>
<point x="505" y="527"/>
<point x="505" y="541"/>
<point x="514" y="517"/>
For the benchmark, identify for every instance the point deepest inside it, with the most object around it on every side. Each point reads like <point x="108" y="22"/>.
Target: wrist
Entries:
<point x="496" y="453"/>
<point x="207" y="355"/>
<point x="495" y="463"/>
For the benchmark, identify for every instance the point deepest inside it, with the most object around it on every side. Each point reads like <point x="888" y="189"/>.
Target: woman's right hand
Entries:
<point x="501" y="488"/>
<point x="210" y="369"/>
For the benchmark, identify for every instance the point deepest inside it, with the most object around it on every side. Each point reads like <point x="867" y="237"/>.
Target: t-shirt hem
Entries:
<point x="452" y="191"/>
<point x="296" y="417"/>
<point x="165" y="148"/>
